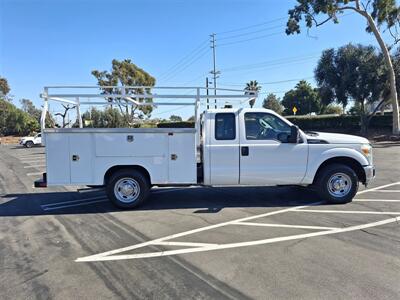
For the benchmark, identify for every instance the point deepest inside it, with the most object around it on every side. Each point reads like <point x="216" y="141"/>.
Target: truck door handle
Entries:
<point x="245" y="151"/>
<point x="75" y="157"/>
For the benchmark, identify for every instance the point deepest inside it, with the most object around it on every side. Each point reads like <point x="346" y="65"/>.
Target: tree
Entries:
<point x="175" y="118"/>
<point x="273" y="102"/>
<point x="252" y="86"/>
<point x="4" y="87"/>
<point x="332" y="109"/>
<point x="108" y="118"/>
<point x="191" y="119"/>
<point x="304" y="97"/>
<point x="377" y="13"/>
<point x="28" y="107"/>
<point x="353" y="73"/>
<point x="126" y="73"/>
<point x="14" y="121"/>
<point x="64" y="114"/>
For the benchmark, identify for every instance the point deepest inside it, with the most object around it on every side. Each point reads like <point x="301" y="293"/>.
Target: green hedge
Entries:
<point x="340" y="123"/>
<point x="322" y="123"/>
<point x="176" y="125"/>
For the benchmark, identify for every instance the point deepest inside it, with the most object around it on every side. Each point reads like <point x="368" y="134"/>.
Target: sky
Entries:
<point x="59" y="42"/>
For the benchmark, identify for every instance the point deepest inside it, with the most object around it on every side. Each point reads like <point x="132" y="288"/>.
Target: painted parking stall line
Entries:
<point x="350" y="212"/>
<point x="34" y="174"/>
<point x="73" y="203"/>
<point x="190" y="247"/>
<point x="285" y="225"/>
<point x="234" y="245"/>
<point x="34" y="166"/>
<point x="375" y="200"/>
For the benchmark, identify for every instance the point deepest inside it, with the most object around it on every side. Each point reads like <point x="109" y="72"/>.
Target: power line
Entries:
<point x="251" y="26"/>
<point x="187" y="64"/>
<point x="267" y="83"/>
<point x="251" y="32"/>
<point x="250" y="39"/>
<point x="263" y="64"/>
<point x="184" y="59"/>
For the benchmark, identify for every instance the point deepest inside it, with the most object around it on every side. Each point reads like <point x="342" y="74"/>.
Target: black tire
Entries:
<point x="325" y="186"/>
<point x="132" y="179"/>
<point x="29" y="144"/>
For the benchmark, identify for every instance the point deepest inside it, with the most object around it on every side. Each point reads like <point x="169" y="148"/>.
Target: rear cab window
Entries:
<point x="225" y="126"/>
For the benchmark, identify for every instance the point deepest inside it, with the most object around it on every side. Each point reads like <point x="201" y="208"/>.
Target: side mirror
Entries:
<point x="294" y="135"/>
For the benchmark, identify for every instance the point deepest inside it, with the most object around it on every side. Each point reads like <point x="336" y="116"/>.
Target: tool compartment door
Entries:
<point x="182" y="158"/>
<point x="81" y="158"/>
<point x="57" y="159"/>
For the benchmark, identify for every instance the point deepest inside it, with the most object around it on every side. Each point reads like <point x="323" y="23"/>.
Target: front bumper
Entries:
<point x="369" y="174"/>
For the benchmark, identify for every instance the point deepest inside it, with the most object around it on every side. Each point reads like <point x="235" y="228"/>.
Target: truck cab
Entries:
<point x="259" y="147"/>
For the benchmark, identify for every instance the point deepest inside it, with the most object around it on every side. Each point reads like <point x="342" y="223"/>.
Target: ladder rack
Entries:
<point x="137" y="96"/>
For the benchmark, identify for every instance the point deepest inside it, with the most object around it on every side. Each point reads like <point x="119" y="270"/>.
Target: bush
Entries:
<point x="344" y="123"/>
<point x="185" y="124"/>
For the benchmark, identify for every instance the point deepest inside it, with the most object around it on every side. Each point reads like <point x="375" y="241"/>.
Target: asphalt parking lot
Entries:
<point x="197" y="243"/>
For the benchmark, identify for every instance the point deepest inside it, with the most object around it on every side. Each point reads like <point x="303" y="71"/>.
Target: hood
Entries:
<point x="334" y="138"/>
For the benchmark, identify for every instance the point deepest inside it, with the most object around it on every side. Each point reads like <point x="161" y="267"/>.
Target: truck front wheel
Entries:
<point x="29" y="144"/>
<point x="337" y="183"/>
<point x="127" y="188"/>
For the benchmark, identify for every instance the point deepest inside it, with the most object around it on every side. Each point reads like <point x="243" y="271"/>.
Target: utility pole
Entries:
<point x="208" y="106"/>
<point x="214" y="72"/>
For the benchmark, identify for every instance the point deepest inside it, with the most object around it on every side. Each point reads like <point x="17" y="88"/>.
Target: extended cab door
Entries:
<point x="223" y="148"/>
<point x="264" y="159"/>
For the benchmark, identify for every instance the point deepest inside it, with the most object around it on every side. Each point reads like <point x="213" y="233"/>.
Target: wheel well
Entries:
<point x="114" y="169"/>
<point x="350" y="162"/>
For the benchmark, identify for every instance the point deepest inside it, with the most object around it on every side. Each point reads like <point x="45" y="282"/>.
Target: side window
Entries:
<point x="264" y="126"/>
<point x="225" y="127"/>
<point x="39" y="135"/>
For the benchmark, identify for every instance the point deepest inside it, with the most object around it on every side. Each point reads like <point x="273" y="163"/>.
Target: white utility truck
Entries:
<point x="227" y="147"/>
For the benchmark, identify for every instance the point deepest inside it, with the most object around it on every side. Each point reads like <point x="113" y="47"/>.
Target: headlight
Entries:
<point x="366" y="149"/>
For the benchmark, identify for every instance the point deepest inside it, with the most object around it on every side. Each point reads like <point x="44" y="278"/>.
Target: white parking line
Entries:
<point x="177" y="235"/>
<point x="32" y="161"/>
<point x="387" y="191"/>
<point x="34" y="166"/>
<point x="349" y="212"/>
<point x="35" y="174"/>
<point x="72" y="205"/>
<point x="112" y="255"/>
<point x="61" y="204"/>
<point x="375" y="200"/>
<point x="188" y="244"/>
<point x="165" y="190"/>
<point x="378" y="188"/>
<point x="107" y="257"/>
<point x="285" y="225"/>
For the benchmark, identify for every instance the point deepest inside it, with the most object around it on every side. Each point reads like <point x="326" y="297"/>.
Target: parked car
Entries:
<point x="30" y="141"/>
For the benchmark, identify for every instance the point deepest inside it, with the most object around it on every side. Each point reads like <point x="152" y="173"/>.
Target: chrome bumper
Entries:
<point x="369" y="174"/>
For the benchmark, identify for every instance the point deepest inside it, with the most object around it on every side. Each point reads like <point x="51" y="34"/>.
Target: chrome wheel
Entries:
<point x="339" y="185"/>
<point x="127" y="190"/>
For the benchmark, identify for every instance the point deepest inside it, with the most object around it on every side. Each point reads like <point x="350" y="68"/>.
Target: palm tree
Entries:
<point x="254" y="87"/>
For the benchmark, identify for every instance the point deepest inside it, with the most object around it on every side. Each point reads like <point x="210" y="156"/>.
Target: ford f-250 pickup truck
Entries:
<point x="236" y="147"/>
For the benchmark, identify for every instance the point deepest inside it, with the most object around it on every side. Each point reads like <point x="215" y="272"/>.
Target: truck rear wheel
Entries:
<point x="127" y="188"/>
<point x="337" y="183"/>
